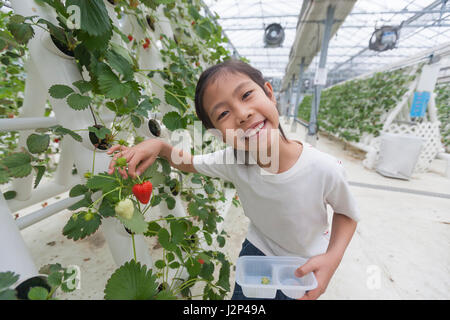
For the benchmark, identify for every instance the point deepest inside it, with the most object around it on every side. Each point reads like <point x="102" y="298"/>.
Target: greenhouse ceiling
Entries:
<point x="426" y="24"/>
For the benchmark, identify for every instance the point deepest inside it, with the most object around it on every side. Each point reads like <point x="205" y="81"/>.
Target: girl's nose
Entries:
<point x="243" y="114"/>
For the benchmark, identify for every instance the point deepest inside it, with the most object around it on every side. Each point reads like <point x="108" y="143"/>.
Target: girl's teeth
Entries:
<point x="256" y="130"/>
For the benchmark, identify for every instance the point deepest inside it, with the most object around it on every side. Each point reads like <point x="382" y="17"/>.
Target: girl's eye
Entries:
<point x="246" y="94"/>
<point x="220" y="117"/>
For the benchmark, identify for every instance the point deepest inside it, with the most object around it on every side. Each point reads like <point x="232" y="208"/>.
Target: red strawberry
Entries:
<point x="192" y="23"/>
<point x="130" y="37"/>
<point x="201" y="261"/>
<point x="143" y="191"/>
<point x="145" y="45"/>
<point x="56" y="140"/>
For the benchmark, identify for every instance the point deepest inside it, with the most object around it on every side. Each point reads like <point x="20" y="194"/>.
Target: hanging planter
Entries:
<point x="100" y="137"/>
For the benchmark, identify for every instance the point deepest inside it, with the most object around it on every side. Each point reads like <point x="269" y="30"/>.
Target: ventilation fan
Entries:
<point x="273" y="35"/>
<point x="384" y="38"/>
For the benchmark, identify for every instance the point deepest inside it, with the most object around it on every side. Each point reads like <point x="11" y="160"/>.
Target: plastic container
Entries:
<point x="251" y="270"/>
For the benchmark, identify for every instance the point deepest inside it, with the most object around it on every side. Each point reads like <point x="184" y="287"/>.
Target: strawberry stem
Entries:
<point x="134" y="247"/>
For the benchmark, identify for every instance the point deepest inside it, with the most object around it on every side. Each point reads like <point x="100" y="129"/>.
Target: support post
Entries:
<point x="299" y="94"/>
<point x="311" y="136"/>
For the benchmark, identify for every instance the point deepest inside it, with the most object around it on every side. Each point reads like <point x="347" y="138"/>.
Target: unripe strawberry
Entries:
<point x="121" y="162"/>
<point x="88" y="216"/>
<point x="125" y="209"/>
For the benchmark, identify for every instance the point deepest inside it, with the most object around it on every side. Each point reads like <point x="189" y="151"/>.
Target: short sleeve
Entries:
<point x="338" y="194"/>
<point x="214" y="164"/>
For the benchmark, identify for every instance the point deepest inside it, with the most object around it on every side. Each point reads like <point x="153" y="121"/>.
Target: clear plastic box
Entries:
<point x="251" y="270"/>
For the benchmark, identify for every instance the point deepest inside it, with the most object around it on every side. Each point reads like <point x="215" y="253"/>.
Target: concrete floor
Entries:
<point x="399" y="251"/>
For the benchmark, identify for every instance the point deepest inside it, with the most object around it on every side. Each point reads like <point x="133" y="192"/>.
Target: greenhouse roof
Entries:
<point x="426" y="24"/>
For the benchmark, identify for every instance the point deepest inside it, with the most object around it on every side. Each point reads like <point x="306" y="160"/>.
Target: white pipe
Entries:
<point x="28" y="123"/>
<point x="33" y="106"/>
<point x="42" y="192"/>
<point x="14" y="254"/>
<point x="46" y="212"/>
<point x="63" y="173"/>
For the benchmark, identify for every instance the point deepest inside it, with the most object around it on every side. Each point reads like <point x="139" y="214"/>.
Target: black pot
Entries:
<point x="100" y="144"/>
<point x="23" y="288"/>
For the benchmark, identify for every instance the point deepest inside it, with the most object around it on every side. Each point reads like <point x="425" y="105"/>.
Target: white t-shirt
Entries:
<point x="287" y="211"/>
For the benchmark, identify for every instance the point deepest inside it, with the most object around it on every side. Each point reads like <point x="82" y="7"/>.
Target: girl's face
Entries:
<point x="235" y="104"/>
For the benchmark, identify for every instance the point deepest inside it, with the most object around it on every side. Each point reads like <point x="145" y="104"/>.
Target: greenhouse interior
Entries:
<point x="96" y="95"/>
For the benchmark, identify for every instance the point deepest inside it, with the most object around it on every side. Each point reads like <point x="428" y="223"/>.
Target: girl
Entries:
<point x="287" y="203"/>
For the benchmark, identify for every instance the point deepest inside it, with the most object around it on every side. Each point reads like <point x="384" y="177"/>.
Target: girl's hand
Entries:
<point x="323" y="266"/>
<point x="139" y="157"/>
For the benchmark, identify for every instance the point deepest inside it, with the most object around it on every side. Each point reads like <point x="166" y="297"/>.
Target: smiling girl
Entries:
<point x="284" y="185"/>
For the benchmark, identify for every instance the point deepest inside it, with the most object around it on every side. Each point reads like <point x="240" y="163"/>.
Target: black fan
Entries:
<point x="273" y="35"/>
<point x="384" y="38"/>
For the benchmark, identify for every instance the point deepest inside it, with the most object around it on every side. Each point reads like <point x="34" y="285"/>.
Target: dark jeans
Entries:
<point x="248" y="249"/>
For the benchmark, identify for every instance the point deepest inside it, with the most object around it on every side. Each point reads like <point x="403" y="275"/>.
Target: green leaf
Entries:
<point x="83" y="86"/>
<point x="78" y="102"/>
<point x="37" y="293"/>
<point x="172" y="120"/>
<point x="136" y="224"/>
<point x="102" y="181"/>
<point x="59" y="91"/>
<point x="7" y="279"/>
<point x="170" y="202"/>
<point x="224" y="276"/>
<point x="153" y="228"/>
<point x="100" y="133"/>
<point x="207" y="271"/>
<point x="120" y="64"/>
<point x="106" y="209"/>
<point x="8" y="294"/>
<point x="77" y="190"/>
<point x="170" y="99"/>
<point x="164" y="240"/>
<point x="193" y="267"/>
<point x="22" y="32"/>
<point x="39" y="174"/>
<point x="160" y="264"/>
<point x="17" y="164"/>
<point x="131" y="282"/>
<point x="165" y="295"/>
<point x="79" y="228"/>
<point x="109" y="83"/>
<point x="8" y="196"/>
<point x="177" y="230"/>
<point x="37" y="143"/>
<point x="58" y="129"/>
<point x="221" y="241"/>
<point x="209" y="187"/>
<point x="94" y="16"/>
<point x="136" y="121"/>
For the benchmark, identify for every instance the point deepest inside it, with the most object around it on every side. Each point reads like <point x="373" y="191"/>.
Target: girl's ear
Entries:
<point x="269" y="91"/>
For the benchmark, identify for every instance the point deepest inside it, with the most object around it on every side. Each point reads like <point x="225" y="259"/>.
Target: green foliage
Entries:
<point x="117" y="82"/>
<point x="131" y="282"/>
<point x="355" y="107"/>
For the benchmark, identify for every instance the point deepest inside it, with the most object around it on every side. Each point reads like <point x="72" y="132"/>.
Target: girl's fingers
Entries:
<point x="114" y="148"/>
<point x="132" y="165"/>
<point x="144" y="165"/>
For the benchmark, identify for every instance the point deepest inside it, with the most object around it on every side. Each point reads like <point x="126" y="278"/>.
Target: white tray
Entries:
<point x="250" y="270"/>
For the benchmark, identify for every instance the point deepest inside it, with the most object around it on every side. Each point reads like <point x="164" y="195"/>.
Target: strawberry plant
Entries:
<point x="117" y="82"/>
<point x="359" y="106"/>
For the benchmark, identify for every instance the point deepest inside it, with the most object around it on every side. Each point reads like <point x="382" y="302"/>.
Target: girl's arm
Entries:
<point x="325" y="265"/>
<point x="142" y="156"/>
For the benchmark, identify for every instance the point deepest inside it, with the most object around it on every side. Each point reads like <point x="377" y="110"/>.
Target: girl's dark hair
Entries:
<point x="211" y="74"/>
